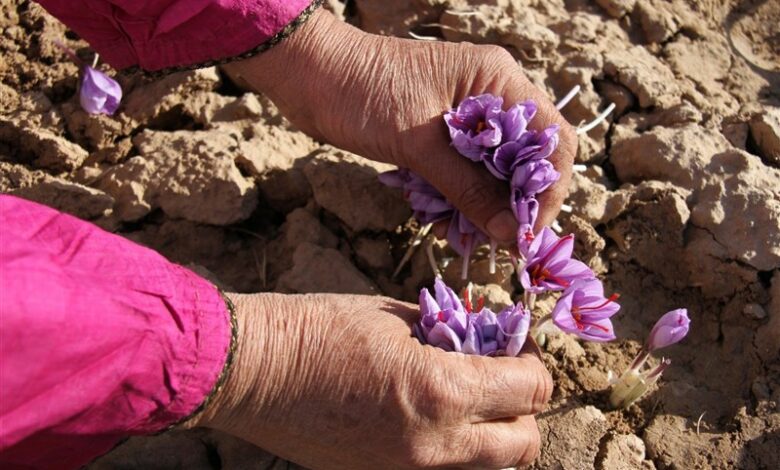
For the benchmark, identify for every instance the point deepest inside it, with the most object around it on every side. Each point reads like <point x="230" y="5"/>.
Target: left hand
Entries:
<point x="384" y="97"/>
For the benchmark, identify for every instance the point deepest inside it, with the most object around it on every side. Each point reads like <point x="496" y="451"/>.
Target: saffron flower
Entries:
<point x="549" y="266"/>
<point x="633" y="383"/>
<point x="668" y="330"/>
<point x="528" y="180"/>
<point x="530" y="146"/>
<point x="452" y="325"/>
<point x="479" y="124"/>
<point x="98" y="93"/>
<point x="583" y="311"/>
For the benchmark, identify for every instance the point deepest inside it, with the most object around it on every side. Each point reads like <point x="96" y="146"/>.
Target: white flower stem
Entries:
<point x="431" y="257"/>
<point x="95" y="60"/>
<point x="587" y="127"/>
<point x="492" y="259"/>
<point x="423" y="38"/>
<point x="569" y="96"/>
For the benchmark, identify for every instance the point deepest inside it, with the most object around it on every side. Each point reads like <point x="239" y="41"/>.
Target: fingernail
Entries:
<point x="502" y="226"/>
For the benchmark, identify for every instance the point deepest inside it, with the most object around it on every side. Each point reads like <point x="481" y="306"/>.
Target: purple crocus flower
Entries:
<point x="98" y="94"/>
<point x="549" y="266"/>
<point x="447" y="323"/>
<point x="582" y="310"/>
<point x="479" y="124"/>
<point x="528" y="180"/>
<point x="531" y="145"/>
<point x="671" y="328"/>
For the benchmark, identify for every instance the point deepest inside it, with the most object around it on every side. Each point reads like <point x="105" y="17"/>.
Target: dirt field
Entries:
<point x="679" y="205"/>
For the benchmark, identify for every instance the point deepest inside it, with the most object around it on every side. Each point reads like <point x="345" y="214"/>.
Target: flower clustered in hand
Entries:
<point x="482" y="131"/>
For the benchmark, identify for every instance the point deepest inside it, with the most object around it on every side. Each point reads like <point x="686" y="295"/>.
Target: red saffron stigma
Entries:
<point x="440" y="316"/>
<point x="611" y="299"/>
<point x="465" y="294"/>
<point x="480" y="303"/>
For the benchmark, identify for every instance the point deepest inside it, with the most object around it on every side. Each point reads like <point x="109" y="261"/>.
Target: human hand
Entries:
<point x="383" y="98"/>
<point x="337" y="381"/>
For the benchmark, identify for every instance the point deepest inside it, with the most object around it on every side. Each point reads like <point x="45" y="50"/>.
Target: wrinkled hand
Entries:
<point x="337" y="381"/>
<point x="383" y="98"/>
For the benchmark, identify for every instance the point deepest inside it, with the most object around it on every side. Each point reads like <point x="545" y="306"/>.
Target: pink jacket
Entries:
<point x="101" y="338"/>
<point x="157" y="34"/>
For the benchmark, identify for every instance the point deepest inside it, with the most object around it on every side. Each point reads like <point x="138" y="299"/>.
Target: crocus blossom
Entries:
<point x="669" y="329"/>
<point x="583" y="311"/>
<point x="452" y="325"/>
<point x="549" y="265"/>
<point x="479" y="124"/>
<point x="527" y="181"/>
<point x="98" y="93"/>
<point x="530" y="146"/>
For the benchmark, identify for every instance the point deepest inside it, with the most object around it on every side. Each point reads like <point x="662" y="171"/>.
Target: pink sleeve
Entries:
<point x="160" y="34"/>
<point x="100" y="338"/>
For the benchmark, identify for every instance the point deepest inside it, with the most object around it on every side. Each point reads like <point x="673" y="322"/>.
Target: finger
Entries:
<point x="501" y="444"/>
<point x="508" y="386"/>
<point x="468" y="185"/>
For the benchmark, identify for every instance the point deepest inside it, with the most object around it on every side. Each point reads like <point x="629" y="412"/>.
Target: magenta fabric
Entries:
<point x="100" y="338"/>
<point x="157" y="34"/>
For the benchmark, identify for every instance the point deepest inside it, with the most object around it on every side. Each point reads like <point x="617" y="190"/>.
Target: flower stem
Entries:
<point x="69" y="52"/>
<point x="492" y="264"/>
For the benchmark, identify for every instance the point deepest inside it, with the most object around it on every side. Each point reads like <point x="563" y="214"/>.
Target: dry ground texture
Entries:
<point x="679" y="206"/>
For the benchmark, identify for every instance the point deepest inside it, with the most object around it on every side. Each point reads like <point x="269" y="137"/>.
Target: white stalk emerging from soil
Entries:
<point x="569" y="96"/>
<point x="418" y="238"/>
<point x="587" y="127"/>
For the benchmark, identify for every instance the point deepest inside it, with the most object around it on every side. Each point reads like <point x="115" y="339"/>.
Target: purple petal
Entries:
<point x="99" y="94"/>
<point x="443" y="337"/>
<point x="669" y="329"/>
<point x="446" y="297"/>
<point x="428" y="306"/>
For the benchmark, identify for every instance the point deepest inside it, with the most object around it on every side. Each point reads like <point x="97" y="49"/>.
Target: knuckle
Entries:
<point x="532" y="447"/>
<point x="542" y="390"/>
<point x="437" y="402"/>
<point x="474" y="199"/>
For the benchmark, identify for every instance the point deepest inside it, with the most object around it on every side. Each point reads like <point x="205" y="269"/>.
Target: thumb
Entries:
<point x="482" y="198"/>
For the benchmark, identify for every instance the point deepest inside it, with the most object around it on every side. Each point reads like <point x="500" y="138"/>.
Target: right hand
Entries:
<point x="338" y="381"/>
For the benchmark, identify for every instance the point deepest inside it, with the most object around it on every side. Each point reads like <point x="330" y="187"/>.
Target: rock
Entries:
<point x="348" y="187"/>
<point x="672" y="439"/>
<point x="588" y="244"/>
<point x="648" y="78"/>
<point x="740" y="206"/>
<point x="374" y="253"/>
<point x="680" y="155"/>
<point x="765" y="132"/>
<point x="41" y="147"/>
<point x="496" y="298"/>
<point x="151" y="101"/>
<point x="317" y="269"/>
<point x="93" y="131"/>
<point x="639" y="235"/>
<point x="623" y="452"/>
<point x="301" y="226"/>
<point x="570" y="437"/>
<point x="276" y="157"/>
<point x="754" y="311"/>
<point x="710" y="267"/>
<point x="398" y="17"/>
<point x="656" y="20"/>
<point x="66" y="196"/>
<point x="768" y="336"/>
<point x="187" y="174"/>
<point x="617" y="8"/>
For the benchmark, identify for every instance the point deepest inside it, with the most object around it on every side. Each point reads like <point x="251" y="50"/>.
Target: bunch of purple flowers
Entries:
<point x="452" y="325"/>
<point x="482" y="131"/>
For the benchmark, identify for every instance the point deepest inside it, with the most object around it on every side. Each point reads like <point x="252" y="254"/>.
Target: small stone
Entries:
<point x="496" y="298"/>
<point x="348" y="186"/>
<point x="572" y="438"/>
<point x="623" y="452"/>
<point x="187" y="174"/>
<point x="617" y="8"/>
<point x="373" y="253"/>
<point x="765" y="131"/>
<point x="647" y="77"/>
<point x="317" y="269"/>
<point x="754" y="310"/>
<point x="41" y="147"/>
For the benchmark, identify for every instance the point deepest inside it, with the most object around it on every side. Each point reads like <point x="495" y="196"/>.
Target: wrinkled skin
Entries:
<point x="337" y="381"/>
<point x="384" y="98"/>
